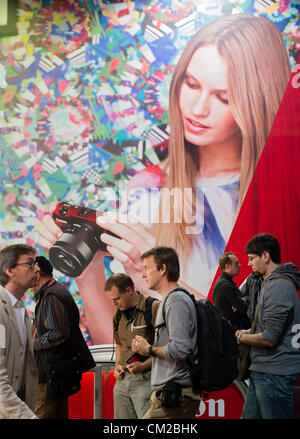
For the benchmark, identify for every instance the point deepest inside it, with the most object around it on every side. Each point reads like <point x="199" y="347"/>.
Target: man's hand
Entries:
<point x="140" y="345"/>
<point x="137" y="367"/>
<point x="256" y="340"/>
<point x="119" y="372"/>
<point x="239" y="334"/>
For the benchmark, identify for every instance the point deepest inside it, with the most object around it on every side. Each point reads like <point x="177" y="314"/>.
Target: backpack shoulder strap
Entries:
<point x="148" y="313"/>
<point x="118" y="318"/>
<point x="148" y="310"/>
<point x="163" y="309"/>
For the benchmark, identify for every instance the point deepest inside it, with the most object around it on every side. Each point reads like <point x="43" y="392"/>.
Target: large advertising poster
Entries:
<point x="120" y="129"/>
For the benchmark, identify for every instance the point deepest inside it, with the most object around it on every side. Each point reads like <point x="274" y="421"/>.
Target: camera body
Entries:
<point x="136" y="357"/>
<point x="80" y="240"/>
<point x="68" y="214"/>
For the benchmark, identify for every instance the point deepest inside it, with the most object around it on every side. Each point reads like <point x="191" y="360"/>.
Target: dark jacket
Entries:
<point x="226" y="295"/>
<point x="250" y="291"/>
<point x="51" y="346"/>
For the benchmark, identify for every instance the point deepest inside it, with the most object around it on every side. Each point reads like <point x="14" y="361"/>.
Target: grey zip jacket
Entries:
<point x="279" y="323"/>
<point x="179" y="338"/>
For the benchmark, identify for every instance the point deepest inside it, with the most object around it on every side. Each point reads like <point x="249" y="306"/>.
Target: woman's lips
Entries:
<point x="196" y="127"/>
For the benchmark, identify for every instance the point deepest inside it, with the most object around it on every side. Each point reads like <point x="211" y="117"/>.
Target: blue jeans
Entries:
<point x="269" y="396"/>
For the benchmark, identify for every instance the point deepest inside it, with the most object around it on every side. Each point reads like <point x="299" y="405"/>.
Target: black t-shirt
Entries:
<point x="129" y="313"/>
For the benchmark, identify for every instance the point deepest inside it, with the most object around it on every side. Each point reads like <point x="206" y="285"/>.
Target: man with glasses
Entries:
<point x="18" y="374"/>
<point x="275" y="359"/>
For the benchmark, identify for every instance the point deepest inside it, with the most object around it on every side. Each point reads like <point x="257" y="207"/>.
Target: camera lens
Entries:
<point x="75" y="249"/>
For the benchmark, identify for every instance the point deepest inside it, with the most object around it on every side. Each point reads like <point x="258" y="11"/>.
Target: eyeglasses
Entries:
<point x="252" y="257"/>
<point x="30" y="264"/>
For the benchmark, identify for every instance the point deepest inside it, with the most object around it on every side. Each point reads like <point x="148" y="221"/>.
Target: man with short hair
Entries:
<point x="18" y="374"/>
<point x="227" y="297"/>
<point x="57" y="337"/>
<point x="133" y="387"/>
<point x="175" y="339"/>
<point x="275" y="358"/>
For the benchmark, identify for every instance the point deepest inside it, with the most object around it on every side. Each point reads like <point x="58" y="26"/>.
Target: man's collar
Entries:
<point x="42" y="288"/>
<point x="12" y="298"/>
<point x="140" y="302"/>
<point x="227" y="276"/>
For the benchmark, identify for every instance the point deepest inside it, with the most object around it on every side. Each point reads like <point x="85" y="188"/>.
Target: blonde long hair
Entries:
<point x="258" y="73"/>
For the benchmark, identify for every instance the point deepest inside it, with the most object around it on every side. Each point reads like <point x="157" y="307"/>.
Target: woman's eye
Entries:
<point x="223" y="99"/>
<point x="191" y="83"/>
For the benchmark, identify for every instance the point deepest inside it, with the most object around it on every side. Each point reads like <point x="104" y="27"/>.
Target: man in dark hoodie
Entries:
<point x="275" y="358"/>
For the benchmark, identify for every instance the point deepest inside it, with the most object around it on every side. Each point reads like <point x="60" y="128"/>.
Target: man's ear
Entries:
<point x="163" y="269"/>
<point x="129" y="290"/>
<point x="266" y="256"/>
<point x="9" y="271"/>
<point x="227" y="267"/>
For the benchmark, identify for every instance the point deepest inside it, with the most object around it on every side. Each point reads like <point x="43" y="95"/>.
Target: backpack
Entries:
<point x="148" y="313"/>
<point x="215" y="366"/>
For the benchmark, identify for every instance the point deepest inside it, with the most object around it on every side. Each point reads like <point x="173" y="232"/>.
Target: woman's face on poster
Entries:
<point x="207" y="117"/>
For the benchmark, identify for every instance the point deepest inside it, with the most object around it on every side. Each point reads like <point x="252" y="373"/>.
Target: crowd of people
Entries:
<point x="156" y="341"/>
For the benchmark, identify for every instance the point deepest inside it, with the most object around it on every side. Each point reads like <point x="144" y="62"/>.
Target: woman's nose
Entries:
<point x="201" y="105"/>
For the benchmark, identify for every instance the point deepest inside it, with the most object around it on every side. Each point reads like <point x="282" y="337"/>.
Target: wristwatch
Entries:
<point x="150" y="351"/>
